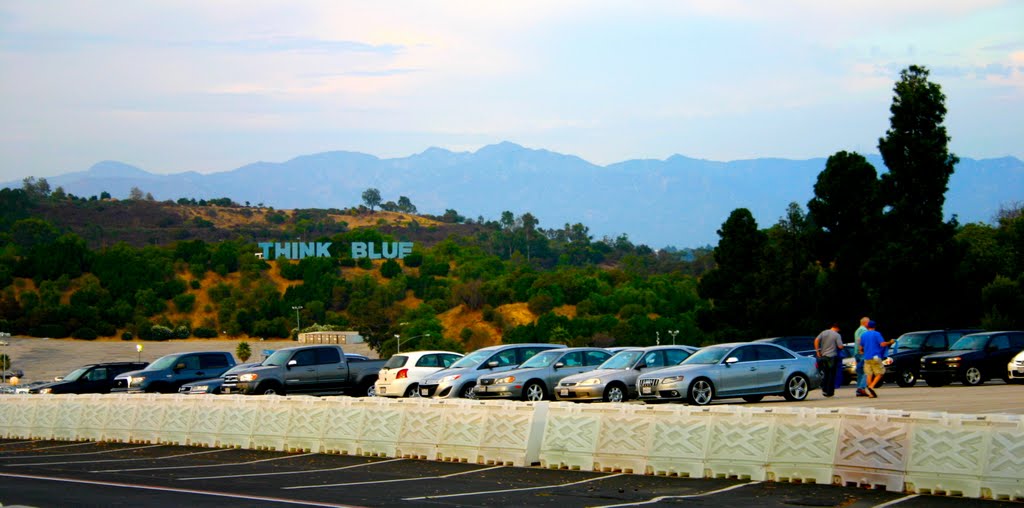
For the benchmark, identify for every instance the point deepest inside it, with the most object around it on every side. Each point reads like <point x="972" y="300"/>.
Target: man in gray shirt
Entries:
<point x="826" y="346"/>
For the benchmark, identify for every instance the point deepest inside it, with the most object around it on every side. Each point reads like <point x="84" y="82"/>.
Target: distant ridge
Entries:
<point x="677" y="201"/>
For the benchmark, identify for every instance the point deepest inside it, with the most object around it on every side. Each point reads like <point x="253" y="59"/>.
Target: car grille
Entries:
<point x="231" y="378"/>
<point x="486" y="382"/>
<point x="427" y="390"/>
<point x="649" y="382"/>
<point x="566" y="384"/>
<point x="1020" y="363"/>
<point x="121" y="383"/>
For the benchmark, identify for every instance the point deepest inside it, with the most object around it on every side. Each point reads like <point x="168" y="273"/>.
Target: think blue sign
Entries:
<point x="300" y="250"/>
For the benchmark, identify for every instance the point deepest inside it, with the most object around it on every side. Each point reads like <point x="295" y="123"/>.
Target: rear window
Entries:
<point x="213" y="361"/>
<point x="396" y="361"/>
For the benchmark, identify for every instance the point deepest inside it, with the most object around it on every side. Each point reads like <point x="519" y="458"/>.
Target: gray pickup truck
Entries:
<point x="319" y="370"/>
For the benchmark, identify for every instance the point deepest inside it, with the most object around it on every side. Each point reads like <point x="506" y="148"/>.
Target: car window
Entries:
<point x="654" y="359"/>
<point x="596" y="357"/>
<point x="212" y="361"/>
<point x="999" y="342"/>
<point x="305" y="357"/>
<point x="954" y="336"/>
<point x="800" y="344"/>
<point x="448" y="360"/>
<point x="327" y="356"/>
<point x="97" y="374"/>
<point x="1017" y="341"/>
<point x="771" y="353"/>
<point x="427" y="361"/>
<point x="674" y="356"/>
<point x="505" y="358"/>
<point x="191" y="362"/>
<point x="936" y="341"/>
<point x="526" y="353"/>
<point x="399" y="360"/>
<point x="745" y="354"/>
<point x="574" y="359"/>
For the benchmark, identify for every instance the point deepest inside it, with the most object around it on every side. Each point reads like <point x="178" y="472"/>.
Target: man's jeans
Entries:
<point x="862" y="380"/>
<point x="828" y="368"/>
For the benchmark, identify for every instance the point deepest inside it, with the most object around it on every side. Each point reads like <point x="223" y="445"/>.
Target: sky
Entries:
<point x="174" y="86"/>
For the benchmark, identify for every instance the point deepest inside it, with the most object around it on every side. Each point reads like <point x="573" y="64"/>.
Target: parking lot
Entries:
<point x="48" y="473"/>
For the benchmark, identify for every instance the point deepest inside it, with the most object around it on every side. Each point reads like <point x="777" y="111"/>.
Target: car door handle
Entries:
<point x="782" y="367"/>
<point x="753" y="368"/>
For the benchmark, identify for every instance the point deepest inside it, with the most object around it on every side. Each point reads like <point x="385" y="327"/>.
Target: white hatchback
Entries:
<point x="401" y="375"/>
<point x="1015" y="369"/>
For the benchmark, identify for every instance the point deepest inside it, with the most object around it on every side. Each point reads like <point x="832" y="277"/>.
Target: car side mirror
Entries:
<point x="180" y="366"/>
<point x="492" y="364"/>
<point x="291" y="363"/>
<point x="641" y="366"/>
<point x="731" y="360"/>
<point x="559" y="365"/>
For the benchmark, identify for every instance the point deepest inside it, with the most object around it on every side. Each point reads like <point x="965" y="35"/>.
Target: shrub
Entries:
<point x="413" y="260"/>
<point x="127" y="336"/>
<point x="203" y="332"/>
<point x="185" y="302"/>
<point x="243" y="351"/>
<point x="84" y="333"/>
<point x="541" y="303"/>
<point x="182" y="332"/>
<point x="390" y="268"/>
<point x="194" y="284"/>
<point x="159" y="333"/>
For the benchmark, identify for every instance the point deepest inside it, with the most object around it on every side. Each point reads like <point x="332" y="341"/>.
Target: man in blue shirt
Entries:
<point x="872" y="348"/>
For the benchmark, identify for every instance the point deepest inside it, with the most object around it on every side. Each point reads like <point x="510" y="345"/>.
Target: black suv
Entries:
<point x="168" y="373"/>
<point x="903" y="365"/>
<point x="94" y="378"/>
<point x="973" y="359"/>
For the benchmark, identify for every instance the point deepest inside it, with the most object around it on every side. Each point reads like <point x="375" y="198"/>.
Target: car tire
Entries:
<point x="468" y="391"/>
<point x="534" y="392"/>
<point x="269" y="389"/>
<point x="753" y="399"/>
<point x="369" y="390"/>
<point x="797" y="388"/>
<point x="935" y="381"/>
<point x="906" y="377"/>
<point x="972" y="376"/>
<point x="615" y="393"/>
<point x="412" y="391"/>
<point x="700" y="393"/>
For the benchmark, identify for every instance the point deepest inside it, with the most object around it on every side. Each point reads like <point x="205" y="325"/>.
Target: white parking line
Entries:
<point x="49" y="447"/>
<point x="392" y="481"/>
<point x="96" y="453"/>
<point x="219" y="450"/>
<point x="303" y="471"/>
<point x="486" y="492"/>
<point x="177" y="491"/>
<point x="164" y="468"/>
<point x="689" y="496"/>
<point x="896" y="501"/>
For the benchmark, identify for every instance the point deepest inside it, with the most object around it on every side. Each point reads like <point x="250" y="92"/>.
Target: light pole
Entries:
<point x="399" y="341"/>
<point x="657" y="338"/>
<point x="673" y="333"/>
<point x="138" y="348"/>
<point x="298" y="327"/>
<point x="4" y="365"/>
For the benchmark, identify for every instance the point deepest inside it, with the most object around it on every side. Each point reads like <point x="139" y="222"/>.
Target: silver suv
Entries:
<point x="459" y="380"/>
<point x="615" y="379"/>
<point x="536" y="378"/>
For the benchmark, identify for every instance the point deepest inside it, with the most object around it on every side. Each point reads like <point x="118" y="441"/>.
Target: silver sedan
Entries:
<point x="747" y="370"/>
<point x="536" y="378"/>
<point x="615" y="379"/>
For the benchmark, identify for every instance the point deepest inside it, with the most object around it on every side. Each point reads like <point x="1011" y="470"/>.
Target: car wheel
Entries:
<point x="700" y="393"/>
<point x="269" y="389"/>
<point x="369" y="390"/>
<point x="906" y="377"/>
<point x="615" y="393"/>
<point x="534" y="392"/>
<point x="935" y="381"/>
<point x="797" y="388"/>
<point x="412" y="391"/>
<point x="468" y="391"/>
<point x="753" y="398"/>
<point x="972" y="377"/>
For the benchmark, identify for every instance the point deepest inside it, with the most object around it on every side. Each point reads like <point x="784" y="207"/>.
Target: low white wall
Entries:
<point x="918" y="452"/>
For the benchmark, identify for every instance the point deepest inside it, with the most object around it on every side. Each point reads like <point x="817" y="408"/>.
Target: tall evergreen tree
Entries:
<point x="733" y="287"/>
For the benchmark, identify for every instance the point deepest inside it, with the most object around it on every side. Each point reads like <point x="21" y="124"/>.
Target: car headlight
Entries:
<point x="887" y="361"/>
<point x="247" y="378"/>
<point x="46" y="390"/>
<point x="591" y="381"/>
<point x="954" y="359"/>
<point x="136" y="380"/>
<point x="505" y="380"/>
<point x="672" y="379"/>
<point x="200" y="389"/>
<point x="449" y="379"/>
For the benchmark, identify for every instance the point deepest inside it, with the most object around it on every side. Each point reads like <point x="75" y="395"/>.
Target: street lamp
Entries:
<point x="138" y="348"/>
<point x="657" y="338"/>
<point x="399" y="341"/>
<point x="298" y="327"/>
<point x="4" y="365"/>
<point x="673" y="333"/>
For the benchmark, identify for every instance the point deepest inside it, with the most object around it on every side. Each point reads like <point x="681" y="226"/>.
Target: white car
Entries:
<point x="1015" y="369"/>
<point x="401" y="375"/>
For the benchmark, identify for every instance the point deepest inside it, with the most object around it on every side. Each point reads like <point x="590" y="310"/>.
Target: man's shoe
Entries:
<point x="861" y="393"/>
<point x="871" y="393"/>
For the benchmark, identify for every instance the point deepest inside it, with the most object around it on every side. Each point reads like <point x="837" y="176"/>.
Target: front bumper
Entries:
<point x="445" y="390"/>
<point x="1015" y="370"/>
<point x="659" y="391"/>
<point x="238" y="388"/>
<point x="498" y="391"/>
<point x="579" y="392"/>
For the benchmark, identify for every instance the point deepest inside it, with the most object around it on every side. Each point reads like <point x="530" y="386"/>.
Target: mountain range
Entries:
<point x="677" y="201"/>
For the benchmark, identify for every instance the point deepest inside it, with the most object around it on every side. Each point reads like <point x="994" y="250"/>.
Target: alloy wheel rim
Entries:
<point x="798" y="387"/>
<point x="702" y="392"/>
<point x="615" y="394"/>
<point x="534" y="393"/>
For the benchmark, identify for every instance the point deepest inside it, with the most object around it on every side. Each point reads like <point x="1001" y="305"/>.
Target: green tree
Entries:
<point x="243" y="351"/>
<point x="372" y="198"/>
<point x="405" y="205"/>
<point x="733" y="287"/>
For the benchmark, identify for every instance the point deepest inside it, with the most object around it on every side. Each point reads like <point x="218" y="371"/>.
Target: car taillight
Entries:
<point x="402" y="374"/>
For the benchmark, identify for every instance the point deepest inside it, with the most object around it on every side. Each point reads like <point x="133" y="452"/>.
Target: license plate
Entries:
<point x="383" y="389"/>
<point x="480" y="389"/>
<point x="564" y="392"/>
<point x="225" y="390"/>
<point x="425" y="392"/>
<point x="646" y="390"/>
<point x="1020" y="371"/>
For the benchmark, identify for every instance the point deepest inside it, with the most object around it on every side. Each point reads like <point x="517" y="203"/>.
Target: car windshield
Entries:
<point x="473" y="359"/>
<point x="396" y="361"/>
<point x="911" y="341"/>
<point x="162" y="363"/>
<point x="971" y="342"/>
<point x="75" y="374"/>
<point x="277" y="359"/>
<point x="541" y="360"/>
<point x="623" y="360"/>
<point x="708" y="356"/>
